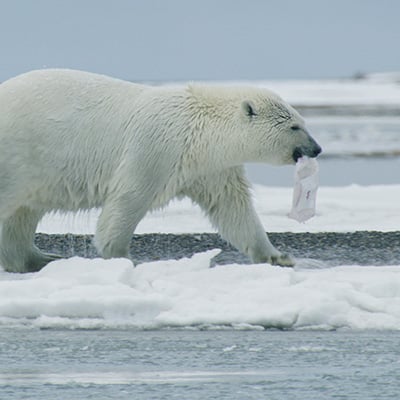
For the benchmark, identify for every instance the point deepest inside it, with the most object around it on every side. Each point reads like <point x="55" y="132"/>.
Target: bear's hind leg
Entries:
<point x="17" y="250"/>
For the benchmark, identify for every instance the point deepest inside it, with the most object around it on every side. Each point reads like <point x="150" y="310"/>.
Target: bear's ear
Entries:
<point x="248" y="108"/>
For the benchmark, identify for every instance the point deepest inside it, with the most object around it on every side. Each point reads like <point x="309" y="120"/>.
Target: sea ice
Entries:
<point x="97" y="294"/>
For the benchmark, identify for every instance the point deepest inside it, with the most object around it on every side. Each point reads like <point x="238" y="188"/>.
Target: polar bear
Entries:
<point x="73" y="140"/>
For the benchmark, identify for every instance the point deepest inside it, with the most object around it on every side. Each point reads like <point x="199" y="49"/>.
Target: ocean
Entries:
<point x="185" y="364"/>
<point x="82" y="329"/>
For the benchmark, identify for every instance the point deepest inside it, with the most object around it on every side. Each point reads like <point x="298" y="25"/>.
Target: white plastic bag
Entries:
<point x="305" y="189"/>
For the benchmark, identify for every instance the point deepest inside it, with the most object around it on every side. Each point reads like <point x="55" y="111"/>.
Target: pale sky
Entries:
<point x="201" y="39"/>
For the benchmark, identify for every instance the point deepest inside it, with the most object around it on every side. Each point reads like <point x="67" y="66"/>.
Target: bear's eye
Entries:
<point x="295" y="127"/>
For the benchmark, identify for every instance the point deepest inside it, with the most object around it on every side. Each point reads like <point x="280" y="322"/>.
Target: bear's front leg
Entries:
<point x="226" y="200"/>
<point x="117" y="222"/>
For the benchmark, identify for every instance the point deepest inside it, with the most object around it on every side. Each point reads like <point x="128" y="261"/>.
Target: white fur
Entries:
<point x="72" y="140"/>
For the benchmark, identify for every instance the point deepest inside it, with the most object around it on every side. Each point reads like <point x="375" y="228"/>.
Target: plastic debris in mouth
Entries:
<point x="305" y="189"/>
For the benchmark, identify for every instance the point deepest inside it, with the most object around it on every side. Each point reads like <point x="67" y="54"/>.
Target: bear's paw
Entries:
<point x="283" y="260"/>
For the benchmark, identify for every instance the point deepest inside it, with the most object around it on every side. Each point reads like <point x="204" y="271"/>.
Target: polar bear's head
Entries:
<point x="276" y="129"/>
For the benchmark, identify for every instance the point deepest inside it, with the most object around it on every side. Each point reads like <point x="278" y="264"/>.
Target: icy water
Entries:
<point x="49" y="364"/>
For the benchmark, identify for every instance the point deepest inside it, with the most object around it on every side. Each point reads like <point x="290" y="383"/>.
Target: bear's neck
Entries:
<point x="216" y="138"/>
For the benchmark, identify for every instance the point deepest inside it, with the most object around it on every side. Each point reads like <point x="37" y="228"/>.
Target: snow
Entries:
<point x="337" y="92"/>
<point x="339" y="209"/>
<point x="110" y="294"/>
<point x="375" y="90"/>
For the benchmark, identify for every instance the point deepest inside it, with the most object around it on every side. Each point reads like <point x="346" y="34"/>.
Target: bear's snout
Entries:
<point x="309" y="151"/>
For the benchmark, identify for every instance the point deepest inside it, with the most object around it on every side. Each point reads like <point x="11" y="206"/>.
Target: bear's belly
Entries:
<point x="175" y="188"/>
<point x="62" y="197"/>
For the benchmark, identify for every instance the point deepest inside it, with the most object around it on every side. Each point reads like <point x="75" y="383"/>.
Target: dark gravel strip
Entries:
<point x="329" y="248"/>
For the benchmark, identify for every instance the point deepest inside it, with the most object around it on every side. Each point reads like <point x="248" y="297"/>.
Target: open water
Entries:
<point x="185" y="364"/>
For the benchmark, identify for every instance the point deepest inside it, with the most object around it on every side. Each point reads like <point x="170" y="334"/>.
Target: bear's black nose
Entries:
<point x="317" y="150"/>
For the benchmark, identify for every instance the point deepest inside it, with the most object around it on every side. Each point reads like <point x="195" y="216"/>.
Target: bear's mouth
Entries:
<point x="312" y="152"/>
<point x="297" y="153"/>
